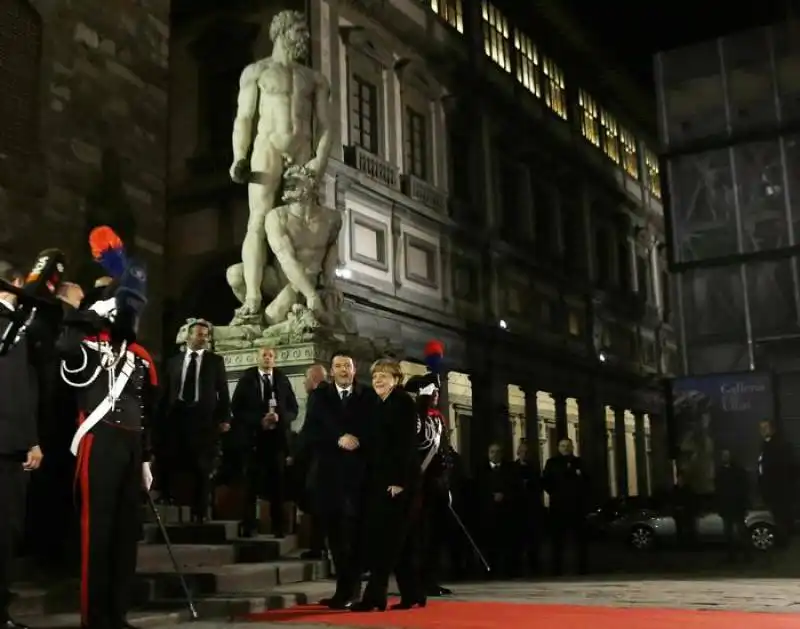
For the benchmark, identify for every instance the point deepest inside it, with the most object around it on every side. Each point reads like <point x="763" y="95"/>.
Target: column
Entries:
<point x="594" y="445"/>
<point x="621" y="454"/>
<point x="661" y="463"/>
<point x="561" y="416"/>
<point x="489" y="417"/>
<point x="532" y="427"/>
<point x="640" y="439"/>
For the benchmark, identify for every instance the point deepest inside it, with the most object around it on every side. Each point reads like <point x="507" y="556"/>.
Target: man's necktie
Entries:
<point x="265" y="385"/>
<point x="190" y="381"/>
<point x="345" y="395"/>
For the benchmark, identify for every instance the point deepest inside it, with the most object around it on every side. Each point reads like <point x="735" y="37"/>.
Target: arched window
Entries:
<point x="20" y="53"/>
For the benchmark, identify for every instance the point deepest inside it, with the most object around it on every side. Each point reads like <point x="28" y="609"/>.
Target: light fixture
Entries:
<point x="344" y="273"/>
<point x="503" y="325"/>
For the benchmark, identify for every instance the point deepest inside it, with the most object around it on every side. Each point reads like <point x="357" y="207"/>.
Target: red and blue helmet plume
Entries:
<point x="434" y="353"/>
<point x="108" y="250"/>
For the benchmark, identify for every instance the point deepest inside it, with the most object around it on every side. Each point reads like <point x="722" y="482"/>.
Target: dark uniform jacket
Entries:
<point x="136" y="406"/>
<point x="19" y="388"/>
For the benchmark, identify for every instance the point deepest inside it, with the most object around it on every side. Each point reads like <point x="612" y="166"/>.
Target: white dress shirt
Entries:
<point x="344" y="390"/>
<point x="199" y="361"/>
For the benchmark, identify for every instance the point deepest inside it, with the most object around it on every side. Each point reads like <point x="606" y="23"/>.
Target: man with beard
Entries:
<point x="115" y="382"/>
<point x="195" y="409"/>
<point x="288" y="100"/>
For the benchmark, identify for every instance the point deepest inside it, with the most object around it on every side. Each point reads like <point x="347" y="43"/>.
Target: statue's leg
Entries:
<point x="267" y="168"/>
<point x="235" y="277"/>
<point x="279" y="308"/>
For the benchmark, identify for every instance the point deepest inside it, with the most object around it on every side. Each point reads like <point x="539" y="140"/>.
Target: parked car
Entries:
<point x="643" y="529"/>
<point x="599" y="521"/>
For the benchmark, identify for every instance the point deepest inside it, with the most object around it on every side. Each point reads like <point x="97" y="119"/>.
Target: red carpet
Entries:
<point x="493" y="615"/>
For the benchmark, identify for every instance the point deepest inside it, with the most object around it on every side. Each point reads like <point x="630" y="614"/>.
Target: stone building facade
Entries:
<point x="498" y="193"/>
<point x="83" y="139"/>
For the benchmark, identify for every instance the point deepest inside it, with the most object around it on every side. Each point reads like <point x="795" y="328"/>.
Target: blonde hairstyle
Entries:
<point x="388" y="366"/>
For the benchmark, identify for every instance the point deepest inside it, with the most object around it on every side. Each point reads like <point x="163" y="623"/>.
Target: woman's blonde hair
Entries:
<point x="388" y="366"/>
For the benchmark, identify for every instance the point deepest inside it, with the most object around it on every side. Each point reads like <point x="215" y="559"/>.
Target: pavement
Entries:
<point x="729" y="594"/>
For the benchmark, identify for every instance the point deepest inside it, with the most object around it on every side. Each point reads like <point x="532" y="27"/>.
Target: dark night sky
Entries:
<point x="633" y="30"/>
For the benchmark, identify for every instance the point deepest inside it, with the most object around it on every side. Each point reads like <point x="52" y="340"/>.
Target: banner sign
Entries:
<point x="716" y="413"/>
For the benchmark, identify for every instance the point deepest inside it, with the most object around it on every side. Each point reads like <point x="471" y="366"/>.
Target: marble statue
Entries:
<point x="300" y="272"/>
<point x="284" y="100"/>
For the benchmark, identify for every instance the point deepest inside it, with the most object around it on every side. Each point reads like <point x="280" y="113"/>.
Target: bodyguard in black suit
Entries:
<point x="195" y="408"/>
<point x="264" y="407"/>
<point x="338" y="418"/>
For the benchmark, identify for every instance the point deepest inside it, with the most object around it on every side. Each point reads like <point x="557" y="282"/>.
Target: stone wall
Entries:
<point x="85" y="125"/>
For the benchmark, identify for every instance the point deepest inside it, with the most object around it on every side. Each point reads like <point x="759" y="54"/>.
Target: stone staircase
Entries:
<point x="229" y="576"/>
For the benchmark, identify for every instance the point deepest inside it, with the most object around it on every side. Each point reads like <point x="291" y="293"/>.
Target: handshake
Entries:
<point x="348" y="442"/>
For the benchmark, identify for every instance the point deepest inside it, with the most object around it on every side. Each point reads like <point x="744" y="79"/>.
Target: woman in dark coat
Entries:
<point x="392" y="491"/>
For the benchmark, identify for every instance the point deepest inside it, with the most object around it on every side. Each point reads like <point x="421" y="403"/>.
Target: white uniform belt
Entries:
<point x="97" y="415"/>
<point x="436" y="441"/>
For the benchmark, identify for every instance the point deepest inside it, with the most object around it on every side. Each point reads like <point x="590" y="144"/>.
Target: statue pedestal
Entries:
<point x="294" y="359"/>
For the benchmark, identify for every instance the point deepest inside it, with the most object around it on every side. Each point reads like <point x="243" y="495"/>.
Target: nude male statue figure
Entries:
<point x="303" y="236"/>
<point x="286" y="98"/>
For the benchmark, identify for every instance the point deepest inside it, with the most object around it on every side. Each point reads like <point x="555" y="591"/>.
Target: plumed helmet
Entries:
<point x="423" y="385"/>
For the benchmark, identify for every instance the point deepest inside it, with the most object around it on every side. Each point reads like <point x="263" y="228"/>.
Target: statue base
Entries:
<point x="301" y="326"/>
<point x="294" y="359"/>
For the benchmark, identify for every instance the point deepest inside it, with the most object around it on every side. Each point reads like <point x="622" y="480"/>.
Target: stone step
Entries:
<point x="170" y="514"/>
<point x="37" y="599"/>
<point x="232" y="579"/>
<point x="217" y="532"/>
<point x="155" y="557"/>
<point x="233" y="607"/>
<point x="148" y="619"/>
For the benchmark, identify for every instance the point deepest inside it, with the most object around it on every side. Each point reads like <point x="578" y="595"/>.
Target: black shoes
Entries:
<point x="336" y="603"/>
<point x="10" y="624"/>
<point x="410" y="604"/>
<point x="437" y="590"/>
<point x="368" y="606"/>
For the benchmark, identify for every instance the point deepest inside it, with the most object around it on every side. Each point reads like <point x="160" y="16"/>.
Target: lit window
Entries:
<point x="451" y="11"/>
<point x="630" y="157"/>
<point x="416" y="144"/>
<point x="527" y="63"/>
<point x="554" y="92"/>
<point x="610" y="136"/>
<point x="653" y="176"/>
<point x="364" y="114"/>
<point x="590" y="126"/>
<point x="496" y="36"/>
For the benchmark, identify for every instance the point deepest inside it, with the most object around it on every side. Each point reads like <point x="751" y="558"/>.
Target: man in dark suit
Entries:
<point x="264" y="407"/>
<point x="528" y="509"/>
<point x="564" y="479"/>
<point x="777" y="479"/>
<point x="195" y="409"/>
<point x="496" y="499"/>
<point x="19" y="449"/>
<point x="337" y="422"/>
